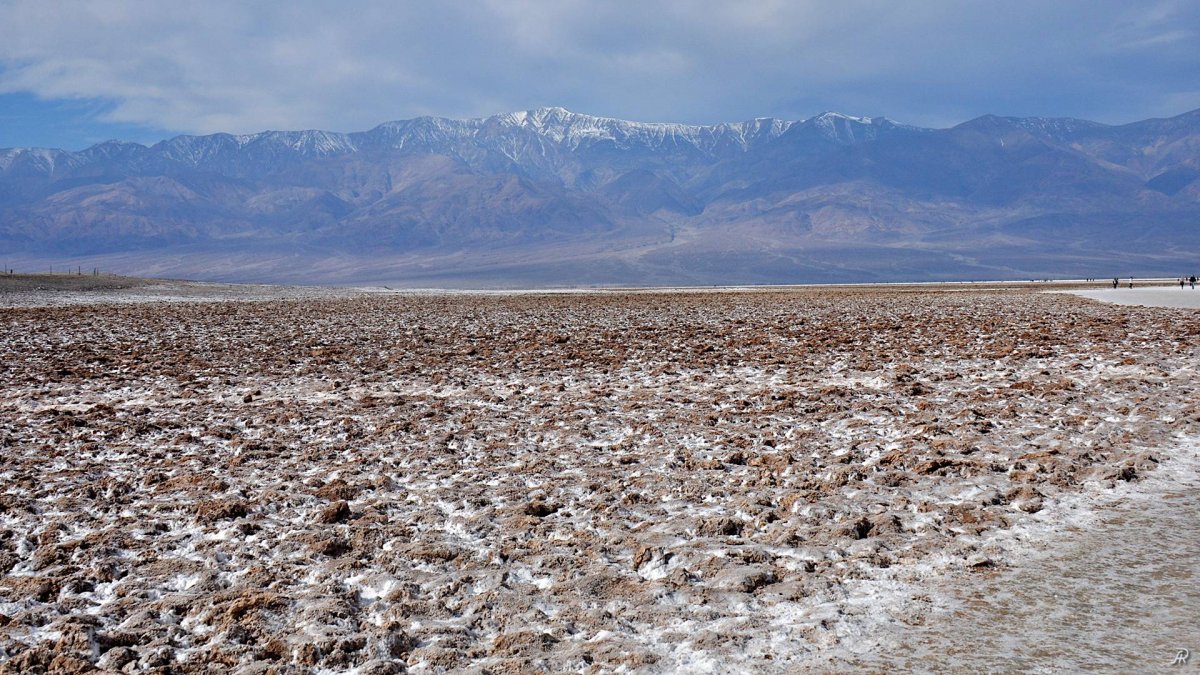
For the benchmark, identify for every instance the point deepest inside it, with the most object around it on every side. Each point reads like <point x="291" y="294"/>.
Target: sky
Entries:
<point x="75" y="73"/>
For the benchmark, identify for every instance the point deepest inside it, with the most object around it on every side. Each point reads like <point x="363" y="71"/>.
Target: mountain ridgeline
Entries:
<point x="551" y="197"/>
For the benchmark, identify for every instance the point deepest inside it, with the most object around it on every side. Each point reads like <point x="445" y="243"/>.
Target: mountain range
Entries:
<point x="551" y="197"/>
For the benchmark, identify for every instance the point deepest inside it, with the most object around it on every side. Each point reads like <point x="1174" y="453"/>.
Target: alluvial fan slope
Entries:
<point x="515" y="482"/>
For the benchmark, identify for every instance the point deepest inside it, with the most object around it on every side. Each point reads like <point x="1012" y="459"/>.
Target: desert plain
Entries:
<point x="200" y="479"/>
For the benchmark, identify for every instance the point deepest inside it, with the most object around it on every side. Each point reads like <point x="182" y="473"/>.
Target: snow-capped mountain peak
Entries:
<point x="535" y="135"/>
<point x="1058" y="128"/>
<point x="572" y="131"/>
<point x="843" y="128"/>
<point x="311" y="143"/>
<point x="36" y="160"/>
<point x="831" y="117"/>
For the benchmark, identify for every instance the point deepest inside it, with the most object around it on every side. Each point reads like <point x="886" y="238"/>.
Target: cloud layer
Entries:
<point x="235" y="66"/>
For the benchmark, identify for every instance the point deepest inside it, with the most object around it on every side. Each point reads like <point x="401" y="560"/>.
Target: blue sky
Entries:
<point x="29" y="121"/>
<point x="73" y="74"/>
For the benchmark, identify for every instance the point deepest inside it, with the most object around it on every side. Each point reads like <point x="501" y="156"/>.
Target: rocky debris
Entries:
<point x="336" y="512"/>
<point x="720" y="526"/>
<point x="336" y="489"/>
<point x="872" y="526"/>
<point x="446" y="482"/>
<point x="1025" y="498"/>
<point x="977" y="561"/>
<point x="523" y="643"/>
<point x="744" y="578"/>
<point x="540" y="509"/>
<point x="212" y="511"/>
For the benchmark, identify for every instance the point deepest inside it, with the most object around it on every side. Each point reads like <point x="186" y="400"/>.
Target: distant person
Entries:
<point x="1131" y="282"/>
<point x="1115" y="282"/>
<point x="1192" y="281"/>
<point x="1181" y="283"/>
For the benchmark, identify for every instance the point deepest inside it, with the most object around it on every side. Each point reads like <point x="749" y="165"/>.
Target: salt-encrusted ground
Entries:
<point x="640" y="481"/>
<point x="59" y="290"/>
<point x="1100" y="582"/>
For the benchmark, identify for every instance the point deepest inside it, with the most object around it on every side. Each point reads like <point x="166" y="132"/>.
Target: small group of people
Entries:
<point x="1188" y="280"/>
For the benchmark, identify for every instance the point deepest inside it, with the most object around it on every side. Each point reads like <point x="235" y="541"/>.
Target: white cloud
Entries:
<point x="226" y="65"/>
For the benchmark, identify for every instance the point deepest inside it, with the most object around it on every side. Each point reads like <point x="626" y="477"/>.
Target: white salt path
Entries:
<point x="1151" y="296"/>
<point x="1115" y="589"/>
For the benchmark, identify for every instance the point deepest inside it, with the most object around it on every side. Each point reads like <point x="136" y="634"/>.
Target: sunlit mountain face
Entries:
<point x="552" y="197"/>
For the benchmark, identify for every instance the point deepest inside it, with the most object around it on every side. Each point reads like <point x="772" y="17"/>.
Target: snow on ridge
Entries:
<point x="561" y="125"/>
<point x="852" y="129"/>
<point x="569" y="130"/>
<point x="197" y="149"/>
<point x="308" y="142"/>
<point x="1055" y="126"/>
<point x="43" y="159"/>
<point x="573" y="130"/>
<point x="8" y="156"/>
<point x="399" y="133"/>
<point x="829" y="117"/>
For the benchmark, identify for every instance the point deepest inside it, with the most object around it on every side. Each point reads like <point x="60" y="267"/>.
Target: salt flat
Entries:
<point x="749" y="481"/>
<point x="1150" y="296"/>
<point x="1104" y="582"/>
